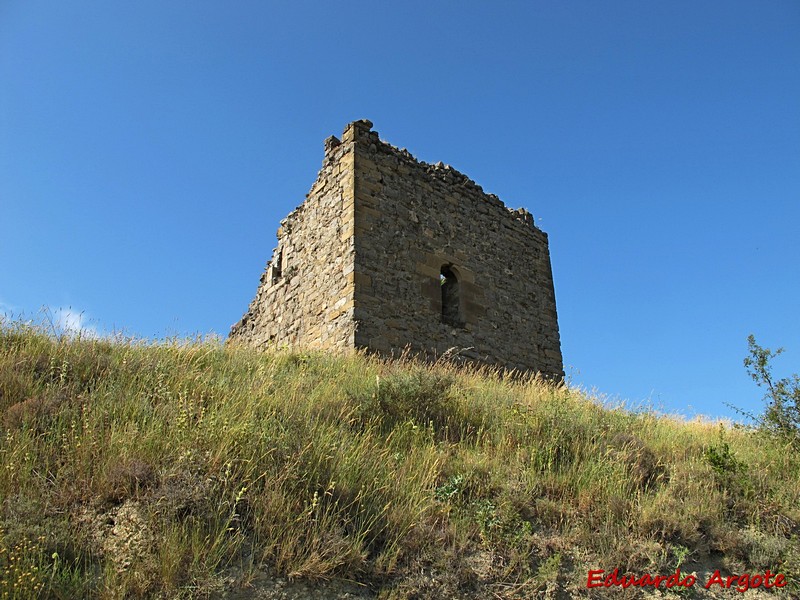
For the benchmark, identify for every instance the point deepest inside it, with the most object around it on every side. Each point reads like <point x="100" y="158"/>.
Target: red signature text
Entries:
<point x="740" y="583"/>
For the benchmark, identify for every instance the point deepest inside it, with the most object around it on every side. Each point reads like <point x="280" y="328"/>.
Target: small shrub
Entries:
<point x="761" y="550"/>
<point x="782" y="414"/>
<point x="450" y="489"/>
<point x="548" y="571"/>
<point x="730" y="473"/>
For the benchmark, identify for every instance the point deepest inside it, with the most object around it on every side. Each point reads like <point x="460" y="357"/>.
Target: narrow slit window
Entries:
<point x="277" y="266"/>
<point x="451" y="297"/>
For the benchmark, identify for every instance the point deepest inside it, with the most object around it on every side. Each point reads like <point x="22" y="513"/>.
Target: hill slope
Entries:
<point x="192" y="470"/>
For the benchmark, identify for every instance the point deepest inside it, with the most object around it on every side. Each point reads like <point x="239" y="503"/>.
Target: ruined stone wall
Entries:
<point x="305" y="297"/>
<point x="360" y="263"/>
<point x="411" y="220"/>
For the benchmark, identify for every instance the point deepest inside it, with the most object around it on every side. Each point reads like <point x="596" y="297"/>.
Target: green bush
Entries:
<point x="782" y="413"/>
<point x="730" y="473"/>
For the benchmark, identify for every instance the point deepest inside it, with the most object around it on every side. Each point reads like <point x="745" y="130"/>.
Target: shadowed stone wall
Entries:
<point x="388" y="252"/>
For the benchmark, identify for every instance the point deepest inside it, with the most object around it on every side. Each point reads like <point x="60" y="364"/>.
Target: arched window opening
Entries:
<point x="451" y="297"/>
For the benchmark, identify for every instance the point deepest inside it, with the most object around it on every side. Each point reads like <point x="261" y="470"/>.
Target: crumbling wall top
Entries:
<point x="360" y="131"/>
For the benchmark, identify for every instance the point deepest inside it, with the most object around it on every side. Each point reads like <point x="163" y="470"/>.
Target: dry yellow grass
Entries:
<point x="157" y="470"/>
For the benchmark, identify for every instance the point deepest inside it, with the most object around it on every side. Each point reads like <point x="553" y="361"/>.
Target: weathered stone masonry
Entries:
<point x="388" y="252"/>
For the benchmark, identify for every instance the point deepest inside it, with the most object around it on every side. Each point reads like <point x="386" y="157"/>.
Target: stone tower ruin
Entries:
<point x="388" y="253"/>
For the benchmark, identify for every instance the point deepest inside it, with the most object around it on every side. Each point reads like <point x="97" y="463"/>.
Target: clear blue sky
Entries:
<point x="149" y="149"/>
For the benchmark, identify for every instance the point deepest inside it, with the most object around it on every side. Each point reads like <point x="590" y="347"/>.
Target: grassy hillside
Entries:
<point x="192" y="470"/>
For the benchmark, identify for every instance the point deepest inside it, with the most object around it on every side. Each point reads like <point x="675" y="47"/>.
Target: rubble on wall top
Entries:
<point x="523" y="215"/>
<point x="331" y="143"/>
<point x="439" y="170"/>
<point x="363" y="124"/>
